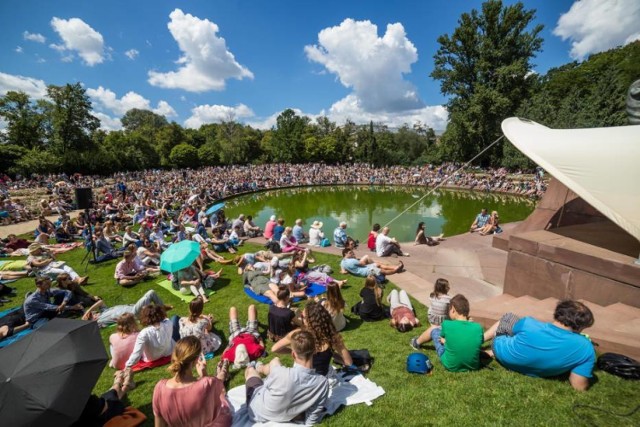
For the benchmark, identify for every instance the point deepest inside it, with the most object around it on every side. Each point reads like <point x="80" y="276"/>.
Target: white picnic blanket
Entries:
<point x="358" y="390"/>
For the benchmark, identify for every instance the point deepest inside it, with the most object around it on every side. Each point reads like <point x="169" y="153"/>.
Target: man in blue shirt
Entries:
<point x="298" y="232"/>
<point x="340" y="235"/>
<point x="541" y="349"/>
<point x="481" y="220"/>
<point x="365" y="266"/>
<point x="39" y="307"/>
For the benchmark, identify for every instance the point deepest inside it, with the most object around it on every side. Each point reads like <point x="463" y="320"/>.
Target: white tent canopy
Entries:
<point x="601" y="165"/>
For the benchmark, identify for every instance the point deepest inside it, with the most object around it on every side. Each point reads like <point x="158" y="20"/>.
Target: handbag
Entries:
<point x="620" y="365"/>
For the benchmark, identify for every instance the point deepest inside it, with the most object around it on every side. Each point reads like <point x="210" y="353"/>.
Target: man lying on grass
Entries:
<point x="541" y="349"/>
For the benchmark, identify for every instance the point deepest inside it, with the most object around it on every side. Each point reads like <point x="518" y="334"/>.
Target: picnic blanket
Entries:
<point x="166" y="284"/>
<point x="312" y="290"/>
<point x="358" y="390"/>
<point x="13" y="265"/>
<point x="141" y="365"/>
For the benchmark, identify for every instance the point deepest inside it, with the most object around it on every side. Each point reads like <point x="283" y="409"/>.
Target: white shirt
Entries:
<point x="153" y="343"/>
<point x="382" y="242"/>
<point x="315" y="236"/>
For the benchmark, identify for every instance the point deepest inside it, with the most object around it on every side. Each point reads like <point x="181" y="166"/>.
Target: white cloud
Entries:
<point x="110" y="101"/>
<point x="132" y="54"/>
<point x="204" y="114"/>
<point x="107" y="122"/>
<point x="78" y="36"/>
<point x="33" y="87"/>
<point x="19" y="49"/>
<point x="34" y="37"/>
<point x="372" y="66"/>
<point x="205" y="63"/>
<point x="349" y="108"/>
<point x="598" y="25"/>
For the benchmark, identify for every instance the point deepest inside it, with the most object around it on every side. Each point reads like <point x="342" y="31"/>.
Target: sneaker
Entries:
<point x="405" y="254"/>
<point x="414" y="344"/>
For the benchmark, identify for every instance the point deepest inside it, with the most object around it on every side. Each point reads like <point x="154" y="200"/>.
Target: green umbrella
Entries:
<point x="179" y="255"/>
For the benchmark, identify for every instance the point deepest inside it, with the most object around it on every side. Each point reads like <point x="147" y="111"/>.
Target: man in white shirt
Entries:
<point x="386" y="245"/>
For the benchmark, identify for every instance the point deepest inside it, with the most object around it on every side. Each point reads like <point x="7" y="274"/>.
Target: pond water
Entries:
<point x="444" y="211"/>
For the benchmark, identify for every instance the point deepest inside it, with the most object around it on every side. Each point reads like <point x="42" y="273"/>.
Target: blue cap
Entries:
<point x="418" y="363"/>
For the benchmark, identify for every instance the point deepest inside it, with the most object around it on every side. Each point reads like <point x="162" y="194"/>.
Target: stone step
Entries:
<point x="625" y="310"/>
<point x="631" y="327"/>
<point x="605" y="317"/>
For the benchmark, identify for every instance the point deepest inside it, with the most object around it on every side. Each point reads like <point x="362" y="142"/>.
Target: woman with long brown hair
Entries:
<point x="189" y="401"/>
<point x="334" y="303"/>
<point x="317" y="320"/>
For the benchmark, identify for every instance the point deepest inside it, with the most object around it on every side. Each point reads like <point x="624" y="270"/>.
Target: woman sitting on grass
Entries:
<point x="187" y="401"/>
<point x="371" y="308"/>
<point x="334" y="303"/>
<point x="190" y="280"/>
<point x="122" y="342"/>
<point x="155" y="341"/>
<point x="328" y="341"/>
<point x="280" y="317"/>
<point x="199" y="326"/>
<point x="79" y="295"/>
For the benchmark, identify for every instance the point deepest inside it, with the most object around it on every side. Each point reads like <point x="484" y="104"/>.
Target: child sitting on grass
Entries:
<point x="458" y="340"/>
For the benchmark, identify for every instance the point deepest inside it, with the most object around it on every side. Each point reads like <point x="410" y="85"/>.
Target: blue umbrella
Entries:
<point x="179" y="256"/>
<point x="215" y="208"/>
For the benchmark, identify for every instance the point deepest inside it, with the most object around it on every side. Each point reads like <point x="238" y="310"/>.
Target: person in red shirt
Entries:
<point x="245" y="344"/>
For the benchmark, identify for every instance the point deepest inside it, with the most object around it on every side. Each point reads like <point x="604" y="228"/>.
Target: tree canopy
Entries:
<point x="485" y="69"/>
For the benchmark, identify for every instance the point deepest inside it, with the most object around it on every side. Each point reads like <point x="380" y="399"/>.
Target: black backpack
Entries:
<point x="620" y="365"/>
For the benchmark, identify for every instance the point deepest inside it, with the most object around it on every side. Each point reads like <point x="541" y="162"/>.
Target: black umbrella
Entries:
<point x="46" y="378"/>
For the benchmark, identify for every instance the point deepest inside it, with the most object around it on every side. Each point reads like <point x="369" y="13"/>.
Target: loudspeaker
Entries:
<point x="84" y="198"/>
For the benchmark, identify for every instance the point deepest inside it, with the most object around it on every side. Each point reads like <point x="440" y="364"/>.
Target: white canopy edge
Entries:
<point x="601" y="165"/>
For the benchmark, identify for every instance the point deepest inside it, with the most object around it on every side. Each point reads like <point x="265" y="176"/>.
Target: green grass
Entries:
<point x="491" y="396"/>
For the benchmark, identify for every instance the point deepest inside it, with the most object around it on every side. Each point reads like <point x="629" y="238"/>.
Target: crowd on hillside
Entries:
<point x="213" y="183"/>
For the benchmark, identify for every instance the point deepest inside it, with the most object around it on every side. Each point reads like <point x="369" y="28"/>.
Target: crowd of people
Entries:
<point x="213" y="183"/>
<point x="166" y="208"/>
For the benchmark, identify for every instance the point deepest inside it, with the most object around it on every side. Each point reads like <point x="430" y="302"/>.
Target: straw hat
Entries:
<point x="34" y="247"/>
<point x="317" y="224"/>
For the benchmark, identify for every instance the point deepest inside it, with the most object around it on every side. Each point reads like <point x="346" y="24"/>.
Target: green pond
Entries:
<point x="444" y="211"/>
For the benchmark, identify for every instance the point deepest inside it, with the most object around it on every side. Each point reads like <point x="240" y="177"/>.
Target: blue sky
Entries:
<point x="203" y="61"/>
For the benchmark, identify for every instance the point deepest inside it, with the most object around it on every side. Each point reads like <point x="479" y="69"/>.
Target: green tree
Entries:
<point x="38" y="161"/>
<point x="10" y="154"/>
<point x="234" y="148"/>
<point x="24" y="120"/>
<point x="484" y="67"/>
<point x="137" y="119"/>
<point x="208" y="154"/>
<point x="71" y="122"/>
<point x="184" y="155"/>
<point x="166" y="139"/>
<point x="287" y="144"/>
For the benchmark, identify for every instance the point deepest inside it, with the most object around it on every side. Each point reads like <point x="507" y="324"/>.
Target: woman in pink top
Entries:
<point x="123" y="341"/>
<point x="268" y="228"/>
<point x="187" y="401"/>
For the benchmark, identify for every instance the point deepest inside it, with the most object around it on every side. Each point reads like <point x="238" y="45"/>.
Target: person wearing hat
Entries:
<point x="315" y="233"/>
<point x="43" y="263"/>
<point x="298" y="232"/>
<point x="245" y="344"/>
<point x="130" y="270"/>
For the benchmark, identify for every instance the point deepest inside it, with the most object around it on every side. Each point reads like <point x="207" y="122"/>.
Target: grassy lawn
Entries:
<point x="492" y="396"/>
